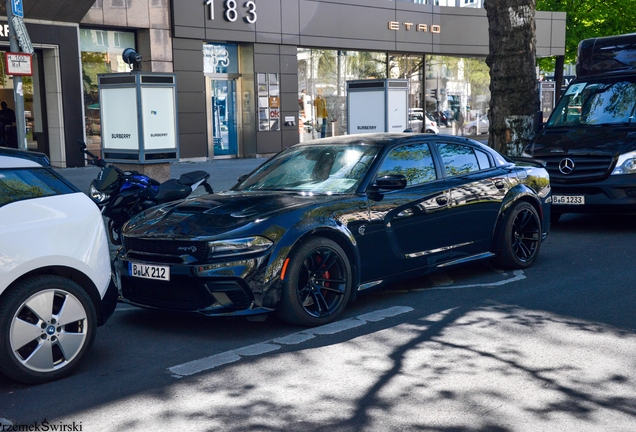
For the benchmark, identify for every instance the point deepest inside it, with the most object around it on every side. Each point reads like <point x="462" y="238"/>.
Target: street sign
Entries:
<point x="17" y="9"/>
<point x="18" y="63"/>
<point x="22" y="34"/>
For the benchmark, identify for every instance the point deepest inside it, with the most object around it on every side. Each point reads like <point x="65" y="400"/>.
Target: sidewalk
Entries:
<point x="223" y="172"/>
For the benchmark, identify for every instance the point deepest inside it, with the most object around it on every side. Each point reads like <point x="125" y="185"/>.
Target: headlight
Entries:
<point x="626" y="164"/>
<point x="97" y="196"/>
<point x="236" y="247"/>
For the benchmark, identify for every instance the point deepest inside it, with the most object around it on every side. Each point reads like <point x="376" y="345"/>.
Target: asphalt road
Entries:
<point x="474" y="348"/>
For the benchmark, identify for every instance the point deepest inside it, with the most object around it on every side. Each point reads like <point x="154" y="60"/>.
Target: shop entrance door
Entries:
<point x="223" y="119"/>
<point x="34" y="114"/>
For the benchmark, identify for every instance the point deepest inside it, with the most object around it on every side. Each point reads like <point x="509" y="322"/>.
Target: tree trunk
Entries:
<point x="514" y="98"/>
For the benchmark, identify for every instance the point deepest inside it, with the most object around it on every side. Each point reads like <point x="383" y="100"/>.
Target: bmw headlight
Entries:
<point x="626" y="164"/>
<point x="97" y="196"/>
<point x="237" y="247"/>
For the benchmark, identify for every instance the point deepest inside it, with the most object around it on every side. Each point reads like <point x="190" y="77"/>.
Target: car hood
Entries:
<point x="211" y="215"/>
<point x="605" y="140"/>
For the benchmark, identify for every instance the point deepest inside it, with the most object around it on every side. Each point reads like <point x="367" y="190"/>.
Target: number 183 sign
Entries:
<point x="18" y="63"/>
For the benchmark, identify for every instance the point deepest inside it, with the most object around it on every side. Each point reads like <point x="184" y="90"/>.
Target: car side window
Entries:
<point x="483" y="159"/>
<point x="414" y="161"/>
<point x="18" y="184"/>
<point x="458" y="159"/>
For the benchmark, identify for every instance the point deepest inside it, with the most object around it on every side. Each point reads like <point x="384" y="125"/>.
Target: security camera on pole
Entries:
<point x="18" y="32"/>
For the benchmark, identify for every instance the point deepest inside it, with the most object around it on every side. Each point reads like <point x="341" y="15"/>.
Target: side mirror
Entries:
<point x="390" y="182"/>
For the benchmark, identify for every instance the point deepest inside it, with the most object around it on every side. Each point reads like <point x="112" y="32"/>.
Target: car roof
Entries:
<point x="386" y="139"/>
<point x="22" y="156"/>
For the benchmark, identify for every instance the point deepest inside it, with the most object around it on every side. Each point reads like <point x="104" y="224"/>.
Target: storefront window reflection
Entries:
<point x="457" y="93"/>
<point x="101" y="53"/>
<point x="440" y="87"/>
<point x="322" y="82"/>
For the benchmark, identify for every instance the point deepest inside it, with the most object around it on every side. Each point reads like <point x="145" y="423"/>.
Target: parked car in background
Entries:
<point x="422" y="122"/>
<point x="478" y="126"/>
<point x="321" y="221"/>
<point x="55" y="277"/>
<point x="442" y="118"/>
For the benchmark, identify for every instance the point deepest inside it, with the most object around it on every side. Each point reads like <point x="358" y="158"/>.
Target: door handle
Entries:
<point x="442" y="200"/>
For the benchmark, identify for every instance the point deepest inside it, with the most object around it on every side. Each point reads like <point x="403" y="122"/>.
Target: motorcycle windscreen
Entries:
<point x="106" y="178"/>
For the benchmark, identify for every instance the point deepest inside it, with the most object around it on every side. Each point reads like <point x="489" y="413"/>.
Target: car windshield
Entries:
<point x="596" y="102"/>
<point x="314" y="168"/>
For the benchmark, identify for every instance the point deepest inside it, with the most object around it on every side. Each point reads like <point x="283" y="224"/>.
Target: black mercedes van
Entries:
<point x="589" y="141"/>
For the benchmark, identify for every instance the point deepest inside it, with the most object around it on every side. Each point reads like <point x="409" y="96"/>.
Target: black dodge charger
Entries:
<point x="323" y="220"/>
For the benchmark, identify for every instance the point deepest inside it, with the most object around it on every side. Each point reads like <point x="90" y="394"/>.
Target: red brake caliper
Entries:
<point x="326" y="275"/>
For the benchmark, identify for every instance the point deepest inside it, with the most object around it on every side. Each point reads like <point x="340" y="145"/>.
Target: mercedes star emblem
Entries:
<point x="566" y="166"/>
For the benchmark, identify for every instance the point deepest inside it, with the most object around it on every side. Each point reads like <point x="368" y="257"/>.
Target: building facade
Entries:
<point x="254" y="77"/>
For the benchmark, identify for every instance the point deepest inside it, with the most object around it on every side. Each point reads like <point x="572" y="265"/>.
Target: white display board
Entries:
<point x="119" y="119"/>
<point x="158" y="118"/>
<point x="366" y="112"/>
<point x="397" y="110"/>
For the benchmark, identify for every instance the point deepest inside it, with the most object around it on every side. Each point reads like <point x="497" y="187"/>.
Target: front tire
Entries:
<point x="317" y="285"/>
<point x="47" y="324"/>
<point x="521" y="239"/>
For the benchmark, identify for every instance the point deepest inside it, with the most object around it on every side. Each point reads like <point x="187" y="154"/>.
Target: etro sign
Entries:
<point x="395" y="25"/>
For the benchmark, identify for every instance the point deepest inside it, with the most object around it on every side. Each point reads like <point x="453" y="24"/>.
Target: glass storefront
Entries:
<point x="221" y="68"/>
<point x="442" y="87"/>
<point x="101" y="53"/>
<point x="223" y="113"/>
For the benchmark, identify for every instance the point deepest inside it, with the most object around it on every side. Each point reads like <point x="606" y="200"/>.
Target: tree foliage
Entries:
<point x="588" y="19"/>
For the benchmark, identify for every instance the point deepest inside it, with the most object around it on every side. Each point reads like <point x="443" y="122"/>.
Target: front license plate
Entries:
<point x="149" y="271"/>
<point x="568" y="199"/>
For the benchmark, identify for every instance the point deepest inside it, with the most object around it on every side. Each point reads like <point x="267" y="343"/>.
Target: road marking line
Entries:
<point x="213" y="361"/>
<point x="518" y="275"/>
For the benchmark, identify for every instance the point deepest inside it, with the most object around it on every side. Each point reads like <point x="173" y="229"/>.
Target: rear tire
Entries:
<point x="47" y="324"/>
<point x="317" y="285"/>
<point x="521" y="239"/>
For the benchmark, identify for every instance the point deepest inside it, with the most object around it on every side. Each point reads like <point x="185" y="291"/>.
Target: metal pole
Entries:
<point x="18" y="91"/>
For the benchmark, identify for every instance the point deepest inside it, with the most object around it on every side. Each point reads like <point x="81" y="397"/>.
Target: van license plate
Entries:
<point x="568" y="199"/>
<point x="149" y="271"/>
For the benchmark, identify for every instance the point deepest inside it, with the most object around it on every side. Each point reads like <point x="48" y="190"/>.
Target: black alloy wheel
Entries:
<point x="317" y="284"/>
<point x="521" y="239"/>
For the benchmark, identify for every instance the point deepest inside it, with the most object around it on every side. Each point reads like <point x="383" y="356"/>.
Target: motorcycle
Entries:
<point x="120" y="195"/>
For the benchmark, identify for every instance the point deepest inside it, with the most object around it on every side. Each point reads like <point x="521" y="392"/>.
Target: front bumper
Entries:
<point x="221" y="289"/>
<point x="616" y="194"/>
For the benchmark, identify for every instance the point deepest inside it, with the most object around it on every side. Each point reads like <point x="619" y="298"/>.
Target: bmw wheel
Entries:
<point x="317" y="283"/>
<point x="521" y="237"/>
<point x="47" y="324"/>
